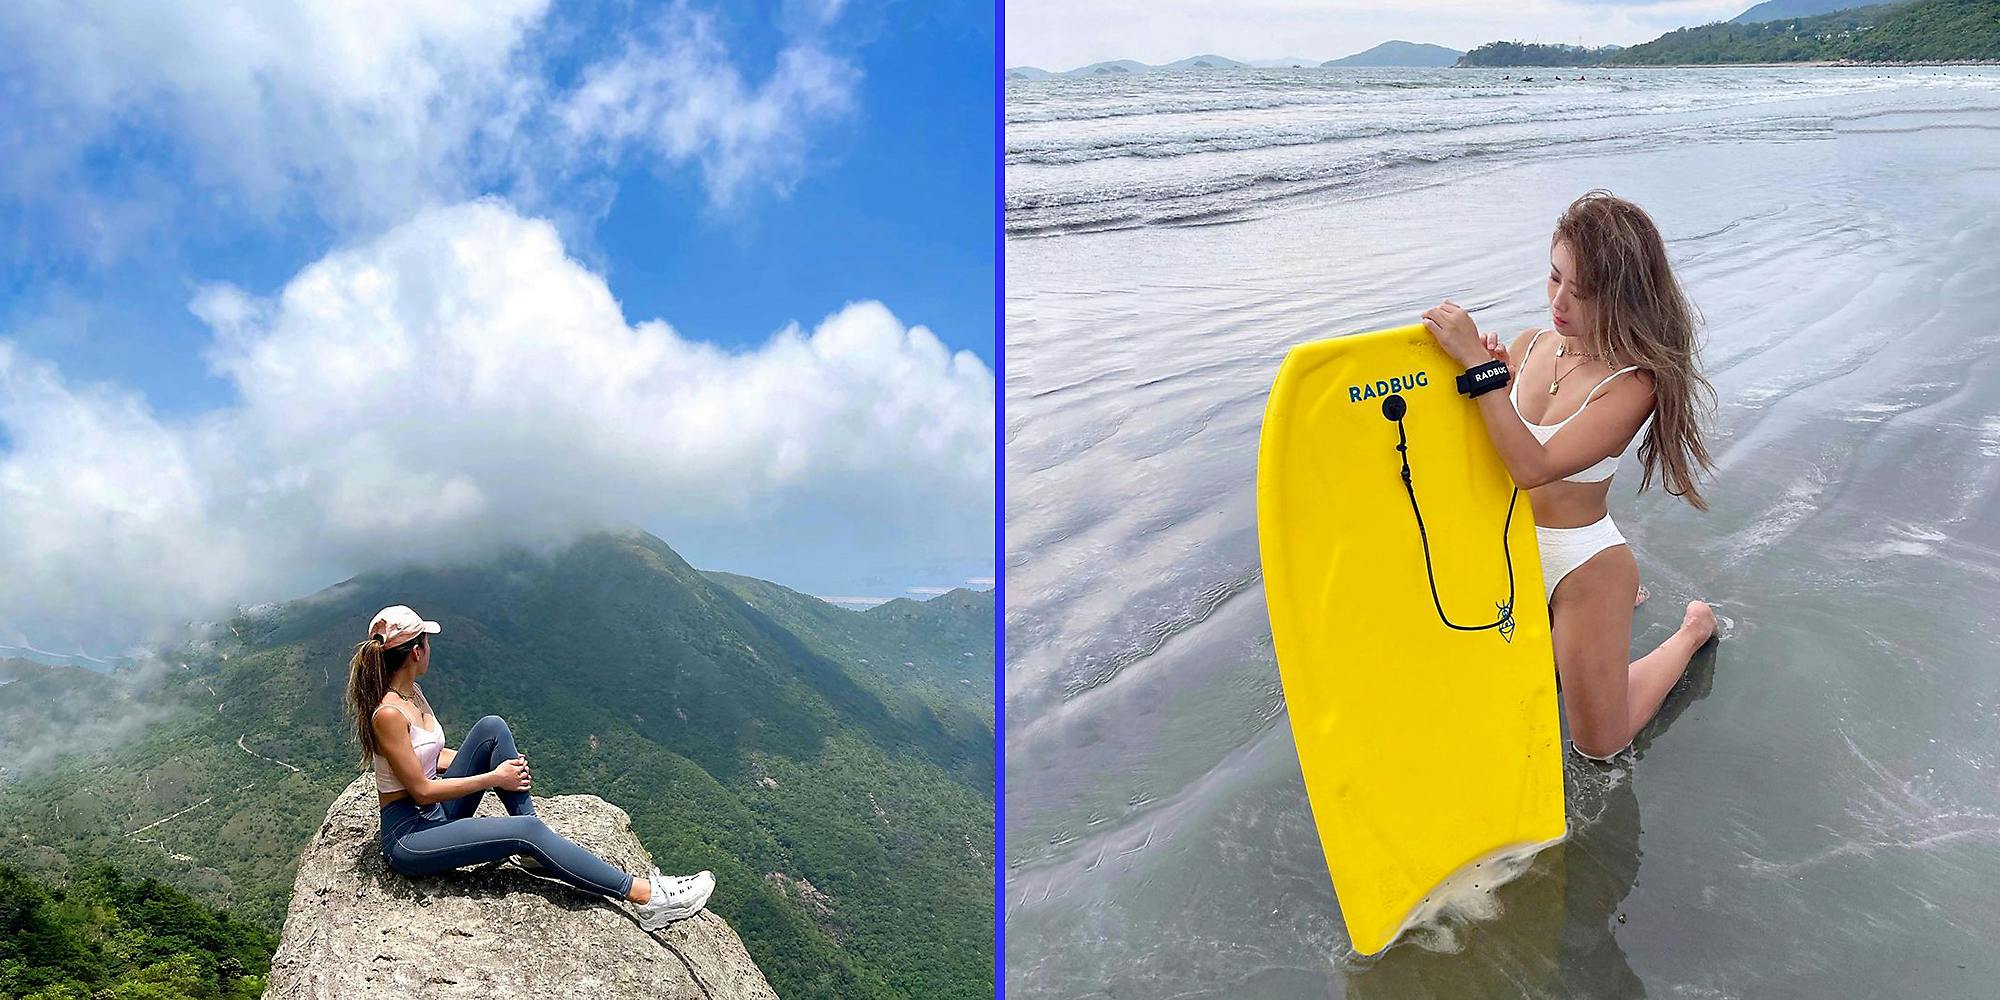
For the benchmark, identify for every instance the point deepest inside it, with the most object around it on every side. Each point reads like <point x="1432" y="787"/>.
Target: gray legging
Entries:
<point x="425" y="840"/>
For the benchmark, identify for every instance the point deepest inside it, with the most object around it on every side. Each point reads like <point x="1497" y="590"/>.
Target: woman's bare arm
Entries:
<point x="1613" y="418"/>
<point x="1603" y="430"/>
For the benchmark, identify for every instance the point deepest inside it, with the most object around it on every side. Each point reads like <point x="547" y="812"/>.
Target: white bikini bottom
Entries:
<point x="1564" y="549"/>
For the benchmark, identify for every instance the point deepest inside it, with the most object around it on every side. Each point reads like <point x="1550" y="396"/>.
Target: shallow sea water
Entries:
<point x="1816" y="811"/>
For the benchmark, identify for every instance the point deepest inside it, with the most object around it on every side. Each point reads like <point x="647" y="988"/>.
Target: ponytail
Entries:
<point x="367" y="681"/>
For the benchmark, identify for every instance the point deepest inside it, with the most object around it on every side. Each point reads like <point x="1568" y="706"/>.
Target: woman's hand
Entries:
<point x="1455" y="331"/>
<point x="511" y="775"/>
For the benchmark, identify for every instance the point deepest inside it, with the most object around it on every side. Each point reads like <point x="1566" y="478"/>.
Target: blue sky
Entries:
<point x="215" y="210"/>
<point x="897" y="206"/>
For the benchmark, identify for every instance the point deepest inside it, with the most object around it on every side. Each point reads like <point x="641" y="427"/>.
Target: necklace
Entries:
<point x="1563" y="350"/>
<point x="1553" y="386"/>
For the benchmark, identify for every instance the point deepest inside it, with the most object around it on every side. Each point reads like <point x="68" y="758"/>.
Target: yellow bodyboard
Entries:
<point x="1426" y="749"/>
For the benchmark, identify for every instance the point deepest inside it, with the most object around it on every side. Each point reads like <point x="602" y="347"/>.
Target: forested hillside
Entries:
<point x="99" y="934"/>
<point x="848" y="816"/>
<point x="1916" y="31"/>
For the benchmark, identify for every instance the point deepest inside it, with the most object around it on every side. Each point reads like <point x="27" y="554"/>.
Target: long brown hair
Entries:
<point x="367" y="680"/>
<point x="1645" y="319"/>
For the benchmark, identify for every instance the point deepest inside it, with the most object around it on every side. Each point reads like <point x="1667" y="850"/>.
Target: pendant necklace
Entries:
<point x="1562" y="350"/>
<point x="1553" y="386"/>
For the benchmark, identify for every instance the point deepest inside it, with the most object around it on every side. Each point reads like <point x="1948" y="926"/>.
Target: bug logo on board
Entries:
<point x="1383" y="387"/>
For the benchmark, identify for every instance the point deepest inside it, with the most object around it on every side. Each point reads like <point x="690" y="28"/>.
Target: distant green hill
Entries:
<point x="1209" y="61"/>
<point x="1925" y="30"/>
<point x="936" y="654"/>
<point x="1399" y="53"/>
<point x="1778" y="10"/>
<point x="1529" y="54"/>
<point x="104" y="935"/>
<point x="1113" y="68"/>
<point x="1913" y="31"/>
<point x="1918" y="31"/>
<point x="741" y="735"/>
<point x="1788" y="40"/>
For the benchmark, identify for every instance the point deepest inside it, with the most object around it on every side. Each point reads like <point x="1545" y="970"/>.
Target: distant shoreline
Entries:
<point x="1762" y="65"/>
<point x="1848" y="63"/>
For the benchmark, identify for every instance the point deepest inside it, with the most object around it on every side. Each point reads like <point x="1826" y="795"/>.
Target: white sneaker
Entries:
<point x="678" y="887"/>
<point x="676" y="898"/>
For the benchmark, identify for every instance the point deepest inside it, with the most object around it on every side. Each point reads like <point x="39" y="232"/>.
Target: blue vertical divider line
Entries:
<point x="999" y="498"/>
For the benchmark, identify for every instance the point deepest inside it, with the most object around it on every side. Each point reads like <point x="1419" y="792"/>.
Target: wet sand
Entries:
<point x="1816" y="812"/>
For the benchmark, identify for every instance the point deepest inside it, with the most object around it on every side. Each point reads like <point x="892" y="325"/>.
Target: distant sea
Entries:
<point x="1816" y="813"/>
<point x="1200" y="146"/>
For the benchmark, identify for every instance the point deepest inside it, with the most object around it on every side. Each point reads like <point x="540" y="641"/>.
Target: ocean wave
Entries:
<point x="1069" y="180"/>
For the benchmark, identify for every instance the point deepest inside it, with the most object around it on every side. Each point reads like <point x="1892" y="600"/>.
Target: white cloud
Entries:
<point x="366" y="105"/>
<point x="95" y="491"/>
<point x="679" y="95"/>
<point x="457" y="383"/>
<point x="361" y="112"/>
<point x="928" y="591"/>
<point x="857" y="602"/>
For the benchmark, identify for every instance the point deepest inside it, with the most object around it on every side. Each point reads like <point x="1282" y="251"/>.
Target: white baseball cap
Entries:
<point x="398" y="624"/>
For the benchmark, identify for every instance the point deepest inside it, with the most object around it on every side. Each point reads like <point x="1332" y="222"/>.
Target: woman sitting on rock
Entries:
<point x="428" y="824"/>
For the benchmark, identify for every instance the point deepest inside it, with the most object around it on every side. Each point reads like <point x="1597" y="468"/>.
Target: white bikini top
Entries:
<point x="428" y="744"/>
<point x="1543" y="432"/>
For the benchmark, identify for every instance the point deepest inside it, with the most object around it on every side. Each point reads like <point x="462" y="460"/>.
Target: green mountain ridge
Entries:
<point x="917" y="656"/>
<point x="1774" y="10"/>
<point x="1528" y="54"/>
<point x="1911" y="31"/>
<point x="739" y="732"/>
<point x="1397" y="53"/>
<point x="1914" y="31"/>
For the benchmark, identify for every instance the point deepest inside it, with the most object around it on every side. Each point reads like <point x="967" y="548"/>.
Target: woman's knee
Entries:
<point x="1599" y="750"/>
<point x="491" y="727"/>
<point x="537" y="832"/>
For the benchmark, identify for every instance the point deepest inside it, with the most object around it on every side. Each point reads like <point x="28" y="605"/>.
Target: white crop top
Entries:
<point x="428" y="744"/>
<point x="1543" y="432"/>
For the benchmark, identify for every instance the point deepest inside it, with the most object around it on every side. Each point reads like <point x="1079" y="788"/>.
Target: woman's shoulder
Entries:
<point x="1640" y="378"/>
<point x="393" y="702"/>
<point x="1630" y="385"/>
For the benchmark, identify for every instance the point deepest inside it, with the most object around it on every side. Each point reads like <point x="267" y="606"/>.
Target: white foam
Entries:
<point x="1725" y="626"/>
<point x="1469" y="894"/>
<point x="1989" y="437"/>
<point x="1911" y="540"/>
<point x="1903" y="547"/>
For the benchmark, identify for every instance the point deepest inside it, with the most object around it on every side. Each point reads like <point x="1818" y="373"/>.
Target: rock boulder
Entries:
<point x="357" y="929"/>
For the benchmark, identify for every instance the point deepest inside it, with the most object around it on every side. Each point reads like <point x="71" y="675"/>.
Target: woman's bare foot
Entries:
<point x="1641" y="599"/>
<point x="1699" y="623"/>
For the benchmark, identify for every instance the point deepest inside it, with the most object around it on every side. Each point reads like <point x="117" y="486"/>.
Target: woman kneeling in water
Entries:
<point x="1617" y="311"/>
<point x="428" y="824"/>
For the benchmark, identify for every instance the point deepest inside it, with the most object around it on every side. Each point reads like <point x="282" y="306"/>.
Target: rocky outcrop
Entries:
<point x="357" y="929"/>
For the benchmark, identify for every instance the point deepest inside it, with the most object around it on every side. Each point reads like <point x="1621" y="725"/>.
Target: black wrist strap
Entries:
<point x="1483" y="378"/>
